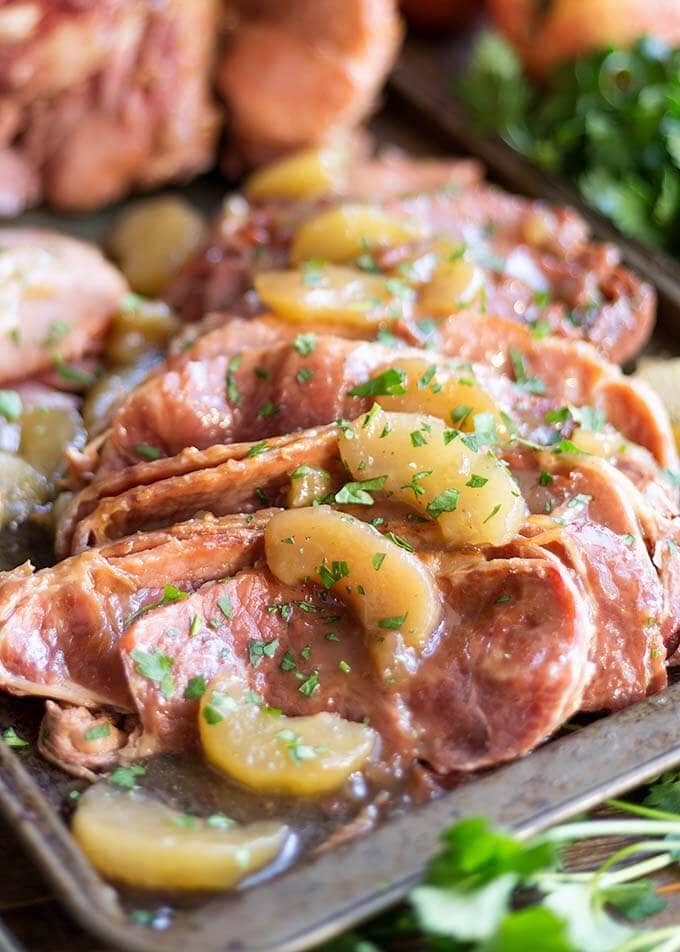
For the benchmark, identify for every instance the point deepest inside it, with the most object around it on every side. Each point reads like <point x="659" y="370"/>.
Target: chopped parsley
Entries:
<point x="460" y="414"/>
<point x="446" y="501"/>
<point x="393" y="622"/>
<point x="476" y="482"/>
<point x="311" y="685"/>
<point x="302" y="376"/>
<point x="298" y="751"/>
<point x="233" y="392"/>
<point x="390" y="383"/>
<point x="196" y="688"/>
<point x="304" y="344"/>
<point x="170" y="594"/>
<point x="378" y="560"/>
<point x="257" y="650"/>
<point x="494" y="512"/>
<point x="12" y="739"/>
<point x="359" y="493"/>
<point x="147" y="452"/>
<point x="414" y="484"/>
<point x="268" y="409"/>
<point x="156" y="667"/>
<point x="418" y="438"/>
<point x="256" y="449"/>
<point x="531" y="384"/>
<point x="225" y="606"/>
<point x="329" y="576"/>
<point x="402" y="543"/>
<point x="126" y="777"/>
<point x="10" y="405"/>
<point x="98" y="731"/>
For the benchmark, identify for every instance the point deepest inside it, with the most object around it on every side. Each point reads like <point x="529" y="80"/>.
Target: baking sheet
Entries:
<point x="323" y="896"/>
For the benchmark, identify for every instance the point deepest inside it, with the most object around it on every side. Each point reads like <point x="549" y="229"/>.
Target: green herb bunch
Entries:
<point x="609" y="120"/>
<point x="490" y="891"/>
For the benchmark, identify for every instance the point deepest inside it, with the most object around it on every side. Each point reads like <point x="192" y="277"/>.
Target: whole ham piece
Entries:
<point x="99" y="97"/>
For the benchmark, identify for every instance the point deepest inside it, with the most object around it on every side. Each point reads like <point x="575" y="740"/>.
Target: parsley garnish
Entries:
<point x="329" y="576"/>
<point x="10" y="405"/>
<point x="268" y="409"/>
<point x="147" y="452"/>
<point x="531" y="384"/>
<point x="233" y="392"/>
<point x="476" y="482"/>
<point x="157" y="667"/>
<point x="393" y="623"/>
<point x="446" y="501"/>
<point x="257" y="650"/>
<point x="98" y="731"/>
<point x="125" y="777"/>
<point x="170" y="594"/>
<point x="225" y="606"/>
<point x="304" y="344"/>
<point x="359" y="493"/>
<point x="311" y="685"/>
<point x="390" y="383"/>
<point x="196" y="688"/>
<point x="402" y="543"/>
<point x="12" y="739"/>
<point x="256" y="449"/>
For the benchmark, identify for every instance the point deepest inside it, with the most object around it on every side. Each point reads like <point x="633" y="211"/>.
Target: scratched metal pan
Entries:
<point x="323" y="896"/>
<point x="319" y="897"/>
<point x="424" y="80"/>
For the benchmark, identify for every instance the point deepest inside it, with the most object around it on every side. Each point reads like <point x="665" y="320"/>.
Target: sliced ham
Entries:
<point x="60" y="627"/>
<point x="292" y="74"/>
<point x="59" y="295"/>
<point x="230" y="396"/>
<point x="500" y="677"/>
<point x="538" y="261"/>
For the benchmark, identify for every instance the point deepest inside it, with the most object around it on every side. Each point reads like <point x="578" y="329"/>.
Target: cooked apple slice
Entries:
<point x="134" y="839"/>
<point x="271" y="753"/>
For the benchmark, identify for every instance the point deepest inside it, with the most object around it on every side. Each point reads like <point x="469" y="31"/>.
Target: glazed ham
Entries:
<point x="229" y="395"/>
<point x="537" y="261"/>
<point x="61" y="626"/>
<point x="59" y="295"/>
<point x="100" y="97"/>
<point x="103" y="96"/>
<point x="543" y="617"/>
<point x="292" y="74"/>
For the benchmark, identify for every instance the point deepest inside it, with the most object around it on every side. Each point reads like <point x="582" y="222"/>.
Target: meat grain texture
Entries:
<point x="166" y="579"/>
<point x="102" y="97"/>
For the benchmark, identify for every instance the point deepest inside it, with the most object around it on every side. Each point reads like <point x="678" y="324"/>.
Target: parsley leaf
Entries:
<point x="358" y="493"/>
<point x="446" y="501"/>
<point x="391" y="383"/>
<point x="257" y="650"/>
<point x="10" y="405"/>
<point x="157" y="667"/>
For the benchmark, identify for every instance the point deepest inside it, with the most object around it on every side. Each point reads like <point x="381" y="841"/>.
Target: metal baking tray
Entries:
<point x="324" y="895"/>
<point x="320" y="897"/>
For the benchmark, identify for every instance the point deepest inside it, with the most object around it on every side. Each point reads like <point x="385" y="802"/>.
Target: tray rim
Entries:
<point x="603" y="751"/>
<point x="93" y="903"/>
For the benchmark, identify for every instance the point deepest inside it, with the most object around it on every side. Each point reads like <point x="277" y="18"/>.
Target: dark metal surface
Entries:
<point x="424" y="78"/>
<point x="321" y="897"/>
